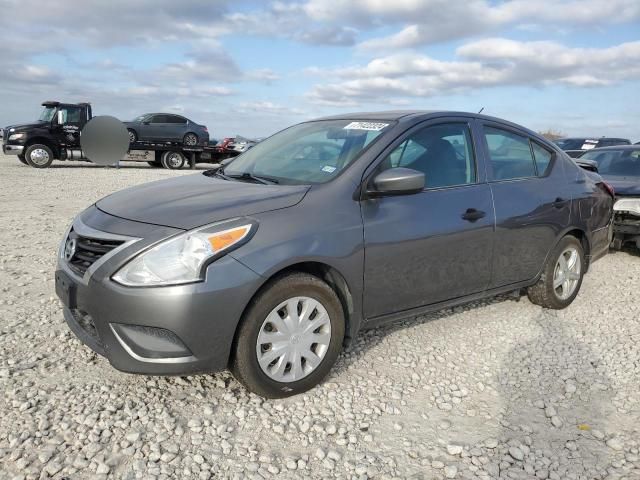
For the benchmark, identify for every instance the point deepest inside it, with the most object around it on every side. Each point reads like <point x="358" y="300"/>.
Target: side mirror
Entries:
<point x="589" y="165"/>
<point x="60" y="117"/>
<point x="397" y="181"/>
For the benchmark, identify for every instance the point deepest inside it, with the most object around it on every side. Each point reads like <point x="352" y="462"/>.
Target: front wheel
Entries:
<point x="39" y="156"/>
<point x="289" y="337"/>
<point x="562" y="276"/>
<point x="133" y="137"/>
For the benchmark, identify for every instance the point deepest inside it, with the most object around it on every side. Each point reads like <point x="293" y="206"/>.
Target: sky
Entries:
<point x="253" y="68"/>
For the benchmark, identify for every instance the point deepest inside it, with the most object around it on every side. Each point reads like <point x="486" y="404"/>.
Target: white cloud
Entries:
<point x="485" y="63"/>
<point x="433" y="21"/>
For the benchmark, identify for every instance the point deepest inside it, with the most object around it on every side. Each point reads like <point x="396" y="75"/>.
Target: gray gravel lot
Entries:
<point x="497" y="389"/>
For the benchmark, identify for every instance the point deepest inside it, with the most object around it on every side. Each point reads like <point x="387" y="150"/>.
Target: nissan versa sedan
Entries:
<point x="273" y="263"/>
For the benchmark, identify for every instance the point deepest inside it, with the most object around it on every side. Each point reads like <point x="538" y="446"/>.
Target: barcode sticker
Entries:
<point x="372" y="126"/>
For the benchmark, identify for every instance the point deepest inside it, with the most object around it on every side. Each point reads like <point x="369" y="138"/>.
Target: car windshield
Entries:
<point x="308" y="153"/>
<point x="139" y="119"/>
<point x="47" y="114"/>
<point x="616" y="162"/>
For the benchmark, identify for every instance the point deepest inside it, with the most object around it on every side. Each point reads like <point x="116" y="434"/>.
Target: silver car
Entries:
<point x="167" y="127"/>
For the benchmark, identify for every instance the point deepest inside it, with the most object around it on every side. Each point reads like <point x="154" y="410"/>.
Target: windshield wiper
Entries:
<point x="251" y="177"/>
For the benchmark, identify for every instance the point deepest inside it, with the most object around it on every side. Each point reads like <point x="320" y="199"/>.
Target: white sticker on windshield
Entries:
<point x="588" y="146"/>
<point x="373" y="126"/>
<point x="328" y="169"/>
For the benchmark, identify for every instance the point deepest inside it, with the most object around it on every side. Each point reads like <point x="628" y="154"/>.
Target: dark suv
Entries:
<point x="167" y="127"/>
<point x="272" y="263"/>
<point x="574" y="147"/>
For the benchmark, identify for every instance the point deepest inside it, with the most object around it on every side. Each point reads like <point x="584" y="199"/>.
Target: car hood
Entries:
<point x="195" y="200"/>
<point x="24" y="126"/>
<point x="624" y="185"/>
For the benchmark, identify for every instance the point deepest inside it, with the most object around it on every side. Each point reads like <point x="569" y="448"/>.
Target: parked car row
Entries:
<point x="576" y="146"/>
<point x="272" y="263"/>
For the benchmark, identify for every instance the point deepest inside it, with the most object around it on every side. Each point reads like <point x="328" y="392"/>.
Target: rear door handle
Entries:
<point x="472" y="214"/>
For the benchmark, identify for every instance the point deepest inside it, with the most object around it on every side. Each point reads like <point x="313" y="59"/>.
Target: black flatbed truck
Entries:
<point x="56" y="136"/>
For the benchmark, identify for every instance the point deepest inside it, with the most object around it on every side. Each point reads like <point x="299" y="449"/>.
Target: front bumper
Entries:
<point x="159" y="330"/>
<point x="626" y="228"/>
<point x="12" y="149"/>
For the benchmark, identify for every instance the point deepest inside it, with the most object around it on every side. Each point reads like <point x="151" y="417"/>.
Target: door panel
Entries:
<point x="419" y="250"/>
<point x="530" y="212"/>
<point x="157" y="128"/>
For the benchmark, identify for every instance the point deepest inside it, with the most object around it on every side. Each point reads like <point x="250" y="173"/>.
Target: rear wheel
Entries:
<point x="22" y="159"/>
<point x="289" y="337"/>
<point x="562" y="276"/>
<point x="39" y="156"/>
<point x="190" y="140"/>
<point x="172" y="160"/>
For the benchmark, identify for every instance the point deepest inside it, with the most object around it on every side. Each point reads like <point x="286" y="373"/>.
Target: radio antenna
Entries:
<point x="481" y="110"/>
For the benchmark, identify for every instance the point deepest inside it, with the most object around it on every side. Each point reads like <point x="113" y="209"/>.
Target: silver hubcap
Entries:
<point x="39" y="156"/>
<point x="190" y="140"/>
<point x="567" y="273"/>
<point x="132" y="137"/>
<point x="174" y="160"/>
<point x="293" y="339"/>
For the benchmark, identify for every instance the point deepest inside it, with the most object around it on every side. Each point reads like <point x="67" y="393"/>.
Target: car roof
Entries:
<point x="399" y="114"/>
<point x="162" y="113"/>
<point x="416" y="116"/>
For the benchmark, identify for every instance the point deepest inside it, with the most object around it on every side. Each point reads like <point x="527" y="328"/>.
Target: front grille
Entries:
<point x="88" y="251"/>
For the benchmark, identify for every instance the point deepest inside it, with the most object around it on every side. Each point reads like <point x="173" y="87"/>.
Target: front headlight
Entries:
<point x="181" y="259"/>
<point x="17" y="136"/>
<point x="631" y="205"/>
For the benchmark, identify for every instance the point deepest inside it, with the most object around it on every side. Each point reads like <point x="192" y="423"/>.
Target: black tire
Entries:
<point x="39" y="156"/>
<point x="190" y="140"/>
<point x="133" y="136"/>
<point x="22" y="159"/>
<point x="543" y="292"/>
<point x="172" y="160"/>
<point x="244" y="363"/>
<point x="155" y="164"/>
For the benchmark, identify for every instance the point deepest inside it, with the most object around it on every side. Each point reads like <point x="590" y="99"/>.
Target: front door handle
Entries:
<point x="472" y="214"/>
<point x="559" y="202"/>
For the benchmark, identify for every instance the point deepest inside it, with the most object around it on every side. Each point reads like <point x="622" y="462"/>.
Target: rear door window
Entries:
<point x="543" y="158"/>
<point x="509" y="154"/>
<point x="175" y="119"/>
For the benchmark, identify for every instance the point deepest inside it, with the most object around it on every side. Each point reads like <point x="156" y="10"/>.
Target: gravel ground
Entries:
<point x="497" y="389"/>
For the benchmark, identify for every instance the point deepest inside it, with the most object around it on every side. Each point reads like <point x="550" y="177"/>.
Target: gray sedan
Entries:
<point x="167" y="127"/>
<point x="272" y="264"/>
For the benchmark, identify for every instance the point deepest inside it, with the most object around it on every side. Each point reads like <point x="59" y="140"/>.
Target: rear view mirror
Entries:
<point x="398" y="181"/>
